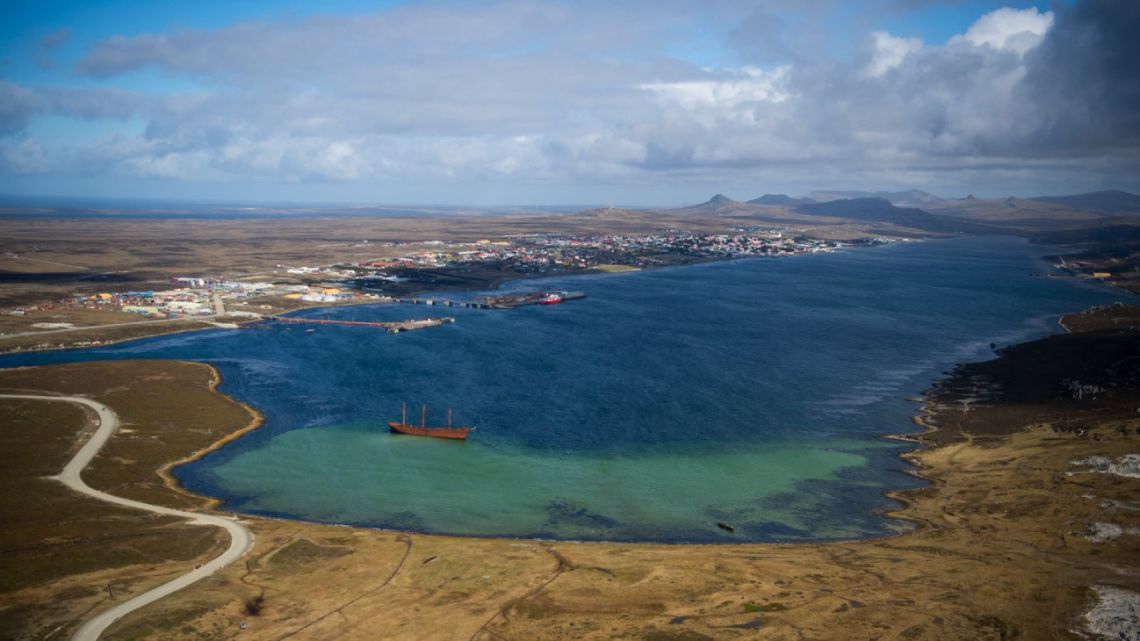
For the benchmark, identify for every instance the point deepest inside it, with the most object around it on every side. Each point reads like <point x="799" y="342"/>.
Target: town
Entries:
<point x="408" y="269"/>
<point x="545" y="253"/>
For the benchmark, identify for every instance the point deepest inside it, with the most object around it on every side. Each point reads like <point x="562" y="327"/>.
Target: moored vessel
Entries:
<point x="510" y="301"/>
<point x="449" y="432"/>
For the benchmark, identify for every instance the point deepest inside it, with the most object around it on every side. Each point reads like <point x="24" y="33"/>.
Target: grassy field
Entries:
<point x="62" y="554"/>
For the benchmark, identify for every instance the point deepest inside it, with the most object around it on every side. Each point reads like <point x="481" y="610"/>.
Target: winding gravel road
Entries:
<point x="240" y="538"/>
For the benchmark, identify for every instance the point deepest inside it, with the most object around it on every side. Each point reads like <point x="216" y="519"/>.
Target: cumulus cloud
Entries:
<point x="888" y="52"/>
<point x="462" y="92"/>
<point x="1009" y="29"/>
<point x="749" y="85"/>
<point x="1083" y="81"/>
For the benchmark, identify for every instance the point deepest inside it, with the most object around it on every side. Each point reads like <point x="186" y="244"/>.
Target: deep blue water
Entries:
<point x="750" y="391"/>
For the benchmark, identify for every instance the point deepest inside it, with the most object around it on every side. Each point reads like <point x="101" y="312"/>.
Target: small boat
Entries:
<point x="726" y="527"/>
<point x="552" y="298"/>
<point x="449" y="432"/>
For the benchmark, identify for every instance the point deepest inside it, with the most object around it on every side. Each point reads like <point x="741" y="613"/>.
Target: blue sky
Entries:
<point x="639" y="103"/>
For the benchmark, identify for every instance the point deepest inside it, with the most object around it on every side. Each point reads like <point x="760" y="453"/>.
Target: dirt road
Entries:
<point x="240" y="538"/>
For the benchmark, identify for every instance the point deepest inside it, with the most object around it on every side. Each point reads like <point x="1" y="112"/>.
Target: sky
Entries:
<point x="638" y="103"/>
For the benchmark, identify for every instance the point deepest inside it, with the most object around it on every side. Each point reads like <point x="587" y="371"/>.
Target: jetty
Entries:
<point x="438" y="302"/>
<point x="391" y="327"/>
<point x="507" y="301"/>
<point x="510" y="301"/>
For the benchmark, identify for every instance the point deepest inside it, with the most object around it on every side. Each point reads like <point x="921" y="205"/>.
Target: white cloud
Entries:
<point x="746" y="85"/>
<point x="1009" y="29"/>
<point x="888" y="52"/>
<point x="563" y="102"/>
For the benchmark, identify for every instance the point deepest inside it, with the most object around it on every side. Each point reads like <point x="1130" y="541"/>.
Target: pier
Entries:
<point x="443" y="303"/>
<point x="511" y="301"/>
<point x="391" y="327"/>
<point x="508" y="301"/>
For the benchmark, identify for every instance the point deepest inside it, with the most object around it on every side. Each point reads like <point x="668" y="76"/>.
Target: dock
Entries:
<point x="443" y="303"/>
<point x="391" y="327"/>
<point x="510" y="301"/>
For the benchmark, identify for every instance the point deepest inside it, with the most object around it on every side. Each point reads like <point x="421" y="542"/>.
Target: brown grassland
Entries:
<point x="56" y="256"/>
<point x="45" y="260"/>
<point x="1001" y="550"/>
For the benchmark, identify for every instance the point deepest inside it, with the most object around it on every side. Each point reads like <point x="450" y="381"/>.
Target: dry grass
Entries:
<point x="79" y="317"/>
<point x="98" y="336"/>
<point x="62" y="554"/>
<point x="45" y="259"/>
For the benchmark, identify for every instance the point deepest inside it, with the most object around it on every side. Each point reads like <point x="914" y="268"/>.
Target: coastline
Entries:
<point x="489" y="286"/>
<point x="925" y="418"/>
<point x="991" y="499"/>
<point x="256" y="420"/>
<point x="891" y="512"/>
<point x="908" y="498"/>
<point x="988" y="549"/>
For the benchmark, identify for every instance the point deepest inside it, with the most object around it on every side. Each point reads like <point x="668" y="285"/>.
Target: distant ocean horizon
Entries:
<point x="750" y="392"/>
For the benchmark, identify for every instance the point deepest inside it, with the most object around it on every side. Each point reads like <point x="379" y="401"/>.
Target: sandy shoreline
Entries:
<point x="256" y="420"/>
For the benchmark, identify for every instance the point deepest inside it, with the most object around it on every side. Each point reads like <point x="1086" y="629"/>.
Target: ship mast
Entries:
<point x="449" y="418"/>
<point x="423" y="418"/>
<point x="404" y="420"/>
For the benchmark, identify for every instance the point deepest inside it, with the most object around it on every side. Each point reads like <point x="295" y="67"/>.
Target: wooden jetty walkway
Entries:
<point x="441" y="302"/>
<point x="391" y="327"/>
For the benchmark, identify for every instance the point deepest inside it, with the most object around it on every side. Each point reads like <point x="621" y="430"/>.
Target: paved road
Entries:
<point x="219" y="305"/>
<point x="206" y="319"/>
<point x="86" y="327"/>
<point x="240" y="538"/>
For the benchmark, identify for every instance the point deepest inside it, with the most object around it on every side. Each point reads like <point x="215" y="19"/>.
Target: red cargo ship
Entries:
<point x="456" y="433"/>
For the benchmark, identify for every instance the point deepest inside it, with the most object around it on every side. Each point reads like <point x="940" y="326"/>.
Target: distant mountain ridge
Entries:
<point x="1109" y="202"/>
<point x="907" y="198"/>
<point x="780" y="200"/>
<point x="918" y="210"/>
<point x="881" y="210"/>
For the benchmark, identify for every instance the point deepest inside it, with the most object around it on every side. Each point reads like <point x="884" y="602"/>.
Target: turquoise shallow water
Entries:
<point x="750" y="392"/>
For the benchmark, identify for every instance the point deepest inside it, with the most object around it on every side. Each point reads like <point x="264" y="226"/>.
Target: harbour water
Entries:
<point x="750" y="392"/>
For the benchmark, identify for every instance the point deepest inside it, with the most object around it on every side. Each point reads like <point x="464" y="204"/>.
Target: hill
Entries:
<point x="1110" y="202"/>
<point x="1113" y="235"/>
<point x="908" y="198"/>
<point x="881" y="210"/>
<point x="1013" y="211"/>
<point x="780" y="200"/>
<point x="719" y="205"/>
<point x="722" y="208"/>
